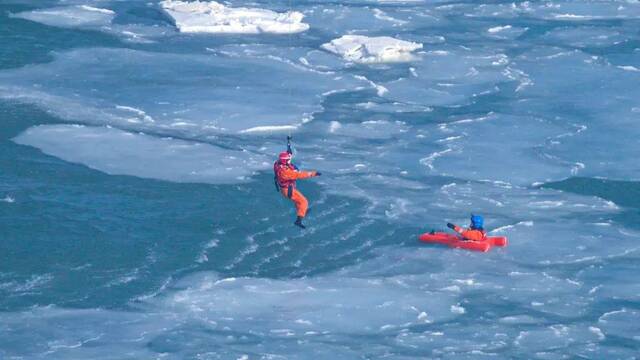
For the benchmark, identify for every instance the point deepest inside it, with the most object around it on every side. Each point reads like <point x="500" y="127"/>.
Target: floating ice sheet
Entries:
<point x="123" y="153"/>
<point x="517" y="140"/>
<point x="584" y="36"/>
<point x="576" y="81"/>
<point x="99" y="18"/>
<point x="70" y="16"/>
<point x="339" y="19"/>
<point x="571" y="10"/>
<point x="371" y="50"/>
<point x="451" y="75"/>
<point x="213" y="17"/>
<point x="185" y="95"/>
<point x="380" y="129"/>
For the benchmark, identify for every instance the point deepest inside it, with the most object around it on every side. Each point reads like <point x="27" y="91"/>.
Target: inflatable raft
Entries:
<point x="456" y="241"/>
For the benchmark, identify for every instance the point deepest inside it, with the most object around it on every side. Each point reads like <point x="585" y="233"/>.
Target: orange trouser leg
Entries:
<point x="299" y="200"/>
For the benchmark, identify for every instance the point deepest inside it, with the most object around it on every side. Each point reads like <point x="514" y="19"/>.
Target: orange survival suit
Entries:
<point x="470" y="234"/>
<point x="475" y="232"/>
<point x="286" y="175"/>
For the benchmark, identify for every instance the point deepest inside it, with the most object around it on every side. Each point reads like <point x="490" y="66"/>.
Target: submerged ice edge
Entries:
<point x="70" y="16"/>
<point x="114" y="151"/>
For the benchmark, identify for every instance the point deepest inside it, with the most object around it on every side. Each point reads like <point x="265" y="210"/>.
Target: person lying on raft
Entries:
<point x="475" y="232"/>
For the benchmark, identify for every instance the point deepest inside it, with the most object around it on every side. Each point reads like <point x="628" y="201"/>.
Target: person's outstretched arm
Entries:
<point x="455" y="228"/>
<point x="290" y="174"/>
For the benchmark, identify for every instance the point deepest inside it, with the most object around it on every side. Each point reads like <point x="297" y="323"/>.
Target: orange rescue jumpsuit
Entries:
<point x="470" y="234"/>
<point x="286" y="176"/>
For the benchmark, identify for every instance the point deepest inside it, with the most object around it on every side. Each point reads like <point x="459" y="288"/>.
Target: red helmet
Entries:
<point x="284" y="157"/>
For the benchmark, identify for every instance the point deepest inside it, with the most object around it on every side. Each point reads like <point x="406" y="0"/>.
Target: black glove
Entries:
<point x="318" y="173"/>
<point x="451" y="226"/>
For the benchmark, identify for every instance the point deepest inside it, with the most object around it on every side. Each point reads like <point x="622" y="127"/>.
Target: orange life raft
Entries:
<point x="456" y="241"/>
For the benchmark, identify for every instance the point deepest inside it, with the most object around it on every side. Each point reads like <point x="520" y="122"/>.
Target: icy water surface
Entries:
<point x="138" y="217"/>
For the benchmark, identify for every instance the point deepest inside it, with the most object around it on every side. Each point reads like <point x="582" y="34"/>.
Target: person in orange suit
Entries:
<point x="475" y="232"/>
<point x="286" y="175"/>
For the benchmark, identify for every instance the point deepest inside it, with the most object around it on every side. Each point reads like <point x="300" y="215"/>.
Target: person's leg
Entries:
<point x="301" y="203"/>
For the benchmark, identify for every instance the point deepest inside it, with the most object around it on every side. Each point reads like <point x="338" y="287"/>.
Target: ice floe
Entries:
<point x="194" y="103"/>
<point x="214" y="17"/>
<point x="70" y="16"/>
<point x="372" y="50"/>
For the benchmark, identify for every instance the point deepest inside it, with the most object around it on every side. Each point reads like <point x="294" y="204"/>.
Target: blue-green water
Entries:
<point x="138" y="217"/>
<point x="626" y="194"/>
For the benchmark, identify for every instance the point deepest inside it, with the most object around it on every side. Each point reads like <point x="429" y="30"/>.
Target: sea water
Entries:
<point x="138" y="215"/>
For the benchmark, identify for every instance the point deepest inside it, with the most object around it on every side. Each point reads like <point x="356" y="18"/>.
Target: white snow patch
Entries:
<point x="597" y="331"/>
<point x="629" y="68"/>
<point x="8" y="199"/>
<point x="272" y="128"/>
<point x="573" y="17"/>
<point x="428" y="161"/>
<point x="497" y="29"/>
<point x="379" y="14"/>
<point x="423" y="317"/>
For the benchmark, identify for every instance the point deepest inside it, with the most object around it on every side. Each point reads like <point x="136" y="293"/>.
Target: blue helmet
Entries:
<point x="477" y="221"/>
